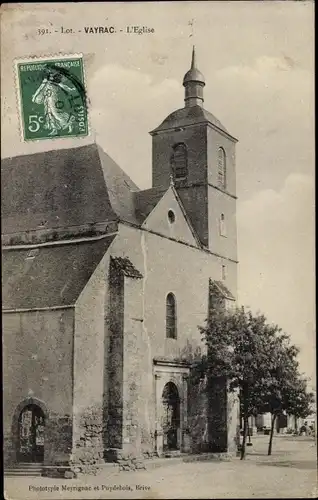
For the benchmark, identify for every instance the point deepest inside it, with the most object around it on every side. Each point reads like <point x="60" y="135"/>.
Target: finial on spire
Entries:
<point x="193" y="82"/>
<point x="193" y="62"/>
<point x="171" y="180"/>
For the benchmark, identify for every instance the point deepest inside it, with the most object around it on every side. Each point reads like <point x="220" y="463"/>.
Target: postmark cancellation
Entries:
<point x="51" y="97"/>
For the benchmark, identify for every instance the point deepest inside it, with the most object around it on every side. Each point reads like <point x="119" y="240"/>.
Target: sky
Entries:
<point x="258" y="62"/>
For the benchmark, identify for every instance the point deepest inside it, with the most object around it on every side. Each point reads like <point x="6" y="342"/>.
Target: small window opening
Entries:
<point x="171" y="216"/>
<point x="171" y="317"/>
<point x="222" y="225"/>
<point x="223" y="272"/>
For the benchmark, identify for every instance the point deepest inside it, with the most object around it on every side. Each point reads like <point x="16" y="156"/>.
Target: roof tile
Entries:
<point x="189" y="116"/>
<point x="55" y="276"/>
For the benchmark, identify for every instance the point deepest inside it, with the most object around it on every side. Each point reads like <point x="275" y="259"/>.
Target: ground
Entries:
<point x="291" y="472"/>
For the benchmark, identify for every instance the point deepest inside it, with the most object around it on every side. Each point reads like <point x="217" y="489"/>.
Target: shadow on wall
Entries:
<point x="197" y="398"/>
<point x="207" y="405"/>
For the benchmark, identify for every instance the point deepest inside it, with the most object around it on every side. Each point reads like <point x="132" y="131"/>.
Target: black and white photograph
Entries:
<point x="158" y="272"/>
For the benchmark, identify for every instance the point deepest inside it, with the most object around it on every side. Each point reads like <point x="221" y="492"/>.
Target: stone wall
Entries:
<point x="195" y="139"/>
<point x="89" y="448"/>
<point x="37" y="367"/>
<point x="194" y="196"/>
<point x="217" y="414"/>
<point x="213" y="417"/>
<point x="198" y="415"/>
<point x="215" y="140"/>
<point x="58" y="439"/>
<point x="221" y="203"/>
<point x="90" y="370"/>
<point x="136" y="373"/>
<point x="116" y="358"/>
<point x="158" y="259"/>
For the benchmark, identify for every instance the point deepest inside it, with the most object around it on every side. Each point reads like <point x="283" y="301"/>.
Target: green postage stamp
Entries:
<point x="52" y="98"/>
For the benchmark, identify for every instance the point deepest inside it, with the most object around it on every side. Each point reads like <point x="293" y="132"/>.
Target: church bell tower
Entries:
<point x="193" y="146"/>
<point x="193" y="83"/>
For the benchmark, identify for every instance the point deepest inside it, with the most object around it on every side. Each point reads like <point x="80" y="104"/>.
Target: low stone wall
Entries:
<point x="89" y="448"/>
<point x="128" y="460"/>
<point x="58" y="439"/>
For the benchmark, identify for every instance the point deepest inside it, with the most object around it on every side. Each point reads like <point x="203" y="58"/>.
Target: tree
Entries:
<point x="259" y="361"/>
<point x="300" y="401"/>
<point x="286" y="388"/>
<point x="283" y="369"/>
<point x="240" y="347"/>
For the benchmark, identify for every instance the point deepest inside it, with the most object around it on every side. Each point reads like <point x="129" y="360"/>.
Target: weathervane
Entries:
<point x="191" y="23"/>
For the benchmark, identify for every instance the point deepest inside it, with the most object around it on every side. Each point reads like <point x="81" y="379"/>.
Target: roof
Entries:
<point x="120" y="188"/>
<point x="145" y="202"/>
<point x="223" y="290"/>
<point x="126" y="266"/>
<point x="49" y="275"/>
<point x="63" y="188"/>
<point x="189" y="116"/>
<point x="193" y="75"/>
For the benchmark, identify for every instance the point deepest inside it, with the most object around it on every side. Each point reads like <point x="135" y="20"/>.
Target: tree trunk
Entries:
<point x="272" y="434"/>
<point x="296" y="424"/>
<point x="245" y="427"/>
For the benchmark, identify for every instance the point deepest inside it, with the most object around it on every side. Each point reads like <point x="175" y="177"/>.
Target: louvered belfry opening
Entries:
<point x="179" y="162"/>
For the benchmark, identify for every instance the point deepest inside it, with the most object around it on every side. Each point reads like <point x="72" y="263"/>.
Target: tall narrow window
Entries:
<point x="223" y="272"/>
<point x="221" y="168"/>
<point x="222" y="225"/>
<point x="179" y="161"/>
<point x="171" y="317"/>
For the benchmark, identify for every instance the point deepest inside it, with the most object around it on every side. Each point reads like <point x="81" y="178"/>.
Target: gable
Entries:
<point x="158" y="220"/>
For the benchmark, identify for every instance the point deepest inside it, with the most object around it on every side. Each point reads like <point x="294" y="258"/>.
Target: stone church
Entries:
<point x="104" y="287"/>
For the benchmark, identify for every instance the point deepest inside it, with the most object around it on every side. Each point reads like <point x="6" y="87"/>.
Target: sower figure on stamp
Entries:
<point x="48" y="95"/>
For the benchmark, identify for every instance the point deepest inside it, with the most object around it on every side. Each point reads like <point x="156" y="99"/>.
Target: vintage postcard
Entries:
<point x="158" y="302"/>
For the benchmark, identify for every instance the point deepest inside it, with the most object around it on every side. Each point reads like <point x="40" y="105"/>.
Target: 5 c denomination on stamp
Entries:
<point x="52" y="97"/>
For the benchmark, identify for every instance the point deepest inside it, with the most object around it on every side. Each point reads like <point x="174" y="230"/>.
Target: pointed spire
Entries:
<point x="193" y="62"/>
<point x="193" y="82"/>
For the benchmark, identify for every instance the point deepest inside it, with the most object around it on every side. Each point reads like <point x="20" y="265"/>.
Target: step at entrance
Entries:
<point x="32" y="469"/>
<point x="172" y="453"/>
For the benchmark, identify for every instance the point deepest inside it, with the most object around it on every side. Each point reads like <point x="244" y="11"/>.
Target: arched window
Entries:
<point x="221" y="168"/>
<point x="179" y="161"/>
<point x="171" y="316"/>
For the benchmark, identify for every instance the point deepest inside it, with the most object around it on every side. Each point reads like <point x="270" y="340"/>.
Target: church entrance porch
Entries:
<point x="31" y="426"/>
<point x="171" y="395"/>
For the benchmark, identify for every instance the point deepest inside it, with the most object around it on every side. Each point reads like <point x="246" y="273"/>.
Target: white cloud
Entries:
<point x="276" y="253"/>
<point x="123" y="103"/>
<point x="269" y="106"/>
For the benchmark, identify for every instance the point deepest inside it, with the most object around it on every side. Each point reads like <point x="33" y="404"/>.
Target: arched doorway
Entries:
<point x="171" y="417"/>
<point x="31" y="424"/>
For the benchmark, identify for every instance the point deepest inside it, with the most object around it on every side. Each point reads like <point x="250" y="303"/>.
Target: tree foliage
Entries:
<point x="259" y="362"/>
<point x="300" y="401"/>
